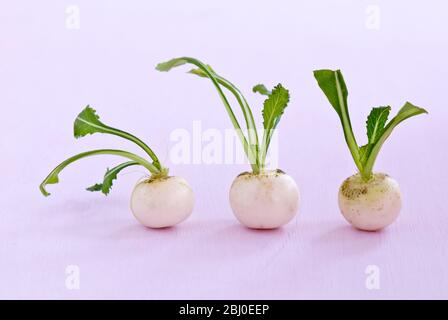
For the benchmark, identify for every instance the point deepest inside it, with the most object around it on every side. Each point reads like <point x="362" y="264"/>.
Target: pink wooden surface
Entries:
<point x="48" y="73"/>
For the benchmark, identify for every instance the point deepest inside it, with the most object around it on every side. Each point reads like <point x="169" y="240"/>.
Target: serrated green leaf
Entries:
<point x="88" y="122"/>
<point x="109" y="177"/>
<point x="261" y="89"/>
<point x="95" y="187"/>
<point x="407" y="111"/>
<point x="274" y="107"/>
<point x="376" y="121"/>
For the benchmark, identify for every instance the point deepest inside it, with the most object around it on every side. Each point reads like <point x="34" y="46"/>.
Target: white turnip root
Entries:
<point x="163" y="202"/>
<point x="370" y="205"/>
<point x="264" y="201"/>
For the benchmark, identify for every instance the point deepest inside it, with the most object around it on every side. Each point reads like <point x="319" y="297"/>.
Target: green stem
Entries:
<point x="247" y="149"/>
<point x="53" y="176"/>
<point x="347" y="127"/>
<point x="143" y="145"/>
<point x="128" y="136"/>
<point x="248" y="116"/>
<point x="264" y="149"/>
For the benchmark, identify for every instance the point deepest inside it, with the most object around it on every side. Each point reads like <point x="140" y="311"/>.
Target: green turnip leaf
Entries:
<point x="88" y="122"/>
<point x="376" y="121"/>
<point x="407" y="111"/>
<point x="261" y="89"/>
<point x="274" y="106"/>
<point x="110" y="176"/>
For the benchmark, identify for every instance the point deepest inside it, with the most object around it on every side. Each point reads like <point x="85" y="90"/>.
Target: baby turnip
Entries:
<point x="369" y="201"/>
<point x="370" y="205"/>
<point x="162" y="202"/>
<point x="157" y="201"/>
<point x="264" y="201"/>
<point x="261" y="199"/>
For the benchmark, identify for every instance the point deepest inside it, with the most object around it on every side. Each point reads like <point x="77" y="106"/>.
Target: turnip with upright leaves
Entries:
<point x="157" y="201"/>
<point x="369" y="201"/>
<point x="262" y="198"/>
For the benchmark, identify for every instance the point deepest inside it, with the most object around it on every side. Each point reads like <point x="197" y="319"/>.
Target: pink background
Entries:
<point x="48" y="73"/>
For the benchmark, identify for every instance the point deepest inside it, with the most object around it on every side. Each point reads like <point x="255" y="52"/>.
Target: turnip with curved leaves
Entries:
<point x="157" y="201"/>
<point x="256" y="197"/>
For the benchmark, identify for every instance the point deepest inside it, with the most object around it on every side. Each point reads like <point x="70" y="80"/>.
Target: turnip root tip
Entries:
<point x="162" y="202"/>
<point x="371" y="205"/>
<point x="264" y="201"/>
